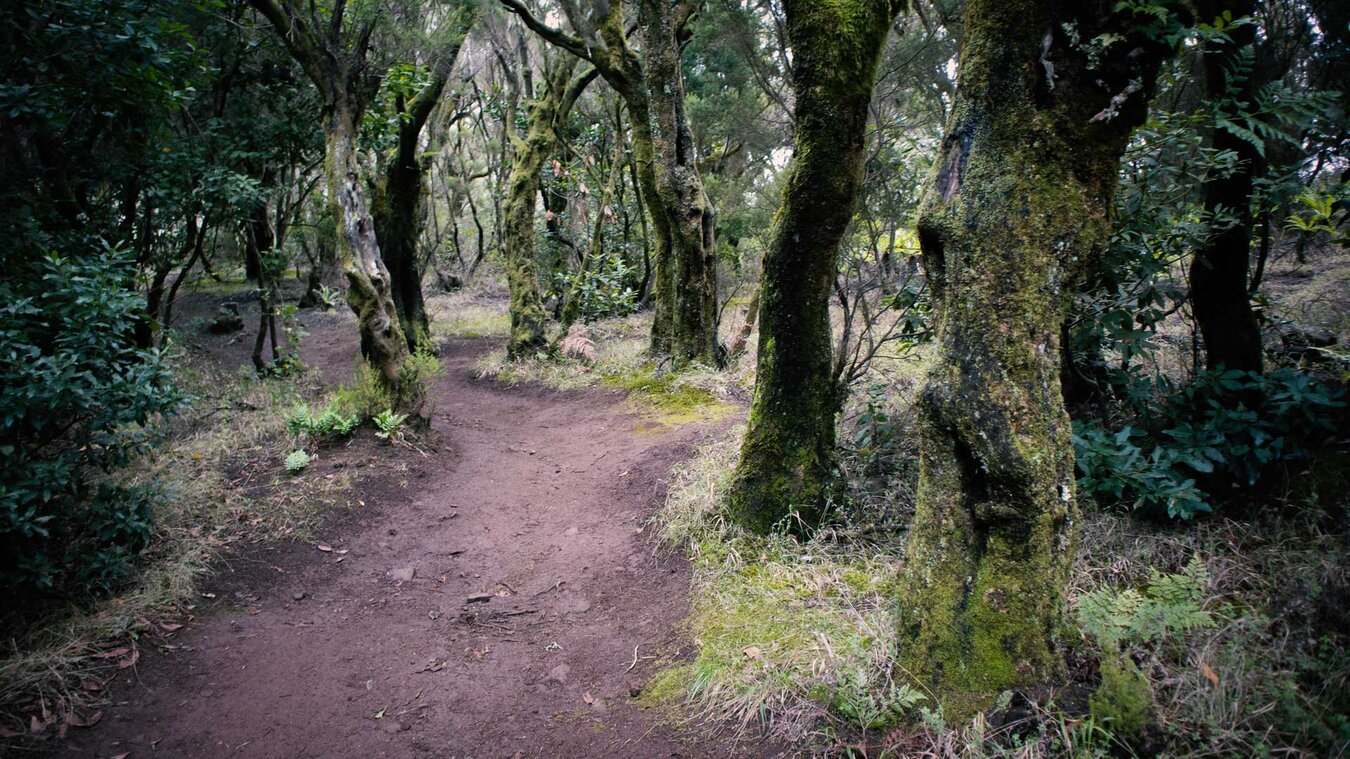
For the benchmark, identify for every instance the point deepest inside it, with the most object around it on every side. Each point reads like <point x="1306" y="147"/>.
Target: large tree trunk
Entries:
<point x="1022" y="198"/>
<point x="546" y="114"/>
<point x="368" y="288"/>
<point x="788" y="454"/>
<point x="1220" y="297"/>
<point x="689" y="272"/>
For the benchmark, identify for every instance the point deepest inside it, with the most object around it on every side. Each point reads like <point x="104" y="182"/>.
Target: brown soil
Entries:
<point x="533" y="497"/>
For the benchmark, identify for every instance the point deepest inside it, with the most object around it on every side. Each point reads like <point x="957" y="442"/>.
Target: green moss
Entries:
<point x="663" y="400"/>
<point x="1123" y="700"/>
<point x="667" y="687"/>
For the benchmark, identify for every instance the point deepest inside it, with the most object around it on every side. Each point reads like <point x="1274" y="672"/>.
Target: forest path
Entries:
<point x="536" y="497"/>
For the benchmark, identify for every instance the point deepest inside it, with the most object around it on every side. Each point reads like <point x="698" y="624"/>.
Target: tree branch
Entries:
<point x="550" y="34"/>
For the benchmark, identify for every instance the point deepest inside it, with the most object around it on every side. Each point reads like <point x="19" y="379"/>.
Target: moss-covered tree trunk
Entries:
<point x="368" y="284"/>
<point x="688" y="290"/>
<point x="1219" y="295"/>
<point x="545" y="116"/>
<point x="399" y="213"/>
<point x="336" y="63"/>
<point x="1021" y="198"/>
<point x="788" y="454"/>
<point x="602" y="39"/>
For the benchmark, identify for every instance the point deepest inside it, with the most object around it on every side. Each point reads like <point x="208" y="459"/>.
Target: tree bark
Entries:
<point x="1219" y="295"/>
<point x="788" y="455"/>
<point x="399" y="213"/>
<point x="1021" y="199"/>
<point x="546" y="115"/>
<point x="368" y="284"/>
<point x="690" y="268"/>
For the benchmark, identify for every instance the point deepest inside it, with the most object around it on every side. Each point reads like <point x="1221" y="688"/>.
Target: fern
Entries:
<point x="1169" y="604"/>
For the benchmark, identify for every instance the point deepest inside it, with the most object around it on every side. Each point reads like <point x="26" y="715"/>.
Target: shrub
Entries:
<point x="77" y="397"/>
<point x="1204" y="434"/>
<point x="604" y="290"/>
<point x="420" y="370"/>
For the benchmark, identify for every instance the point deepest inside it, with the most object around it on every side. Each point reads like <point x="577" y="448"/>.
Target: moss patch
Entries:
<point x="663" y="400"/>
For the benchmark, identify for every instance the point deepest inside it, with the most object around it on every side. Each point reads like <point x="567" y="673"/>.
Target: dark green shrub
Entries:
<point x="76" y="400"/>
<point x="1185" y="440"/>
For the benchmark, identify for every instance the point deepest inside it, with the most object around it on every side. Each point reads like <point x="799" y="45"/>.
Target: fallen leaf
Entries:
<point x="169" y="627"/>
<point x="7" y="733"/>
<point x="753" y="652"/>
<point x="588" y="698"/>
<point x="88" y="720"/>
<point x="380" y="714"/>
<point x="435" y="665"/>
<point x="324" y="547"/>
<point x="114" y="653"/>
<point x="36" y="726"/>
<point x="122" y="755"/>
<point x="1209" y="674"/>
<point x="130" y="660"/>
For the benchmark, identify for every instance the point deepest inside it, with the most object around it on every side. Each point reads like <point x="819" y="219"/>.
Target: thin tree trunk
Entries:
<point x="1219" y="293"/>
<point x="545" y="115"/>
<point x="788" y="454"/>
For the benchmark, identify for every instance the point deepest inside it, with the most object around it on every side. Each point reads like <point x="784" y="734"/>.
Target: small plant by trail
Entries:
<point x="1123" y="624"/>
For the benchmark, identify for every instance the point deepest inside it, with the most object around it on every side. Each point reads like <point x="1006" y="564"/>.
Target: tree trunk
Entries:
<point x="1219" y="295"/>
<point x="399" y="215"/>
<point x="396" y="211"/>
<point x="368" y="287"/>
<point x="688" y="274"/>
<point x="1022" y="198"/>
<point x="788" y="454"/>
<point x="546" y="114"/>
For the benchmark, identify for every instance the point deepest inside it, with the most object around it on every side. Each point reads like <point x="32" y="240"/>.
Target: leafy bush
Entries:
<point x="1197" y="436"/>
<point x="603" y="291"/>
<point x="76" y="400"/>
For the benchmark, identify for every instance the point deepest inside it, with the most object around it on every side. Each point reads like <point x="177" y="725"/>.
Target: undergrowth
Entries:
<point x="222" y="468"/>
<point x="664" y="398"/>
<point x="1223" y="639"/>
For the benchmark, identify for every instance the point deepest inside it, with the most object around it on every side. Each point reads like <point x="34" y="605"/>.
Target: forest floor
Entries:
<point x="498" y="595"/>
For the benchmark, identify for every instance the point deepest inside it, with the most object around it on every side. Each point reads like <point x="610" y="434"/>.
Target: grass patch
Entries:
<point x="789" y="633"/>
<point x="663" y="398"/>
<point x="222" y="468"/>
<point x="468" y="314"/>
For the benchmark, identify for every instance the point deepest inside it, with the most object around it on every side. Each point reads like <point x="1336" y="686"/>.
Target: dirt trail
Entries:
<point x="535" y="497"/>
